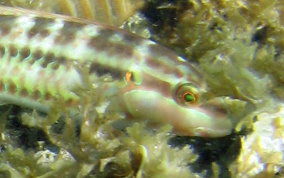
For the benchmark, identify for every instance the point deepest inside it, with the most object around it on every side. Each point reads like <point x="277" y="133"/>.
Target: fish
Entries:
<point x="42" y="54"/>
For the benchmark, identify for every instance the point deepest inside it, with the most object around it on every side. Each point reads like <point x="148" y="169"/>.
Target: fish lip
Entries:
<point x="214" y="122"/>
<point x="213" y="132"/>
<point x="222" y="124"/>
<point x="219" y="128"/>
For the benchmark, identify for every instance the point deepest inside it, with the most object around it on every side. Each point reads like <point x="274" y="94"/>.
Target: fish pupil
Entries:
<point x="188" y="97"/>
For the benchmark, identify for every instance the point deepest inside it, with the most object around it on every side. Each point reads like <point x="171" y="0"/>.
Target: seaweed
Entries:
<point x="238" y="47"/>
<point x="82" y="142"/>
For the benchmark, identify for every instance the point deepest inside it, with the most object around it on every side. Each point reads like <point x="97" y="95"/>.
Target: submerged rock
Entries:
<point x="262" y="151"/>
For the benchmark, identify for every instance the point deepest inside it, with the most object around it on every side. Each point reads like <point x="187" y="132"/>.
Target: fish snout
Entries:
<point x="208" y="120"/>
<point x="220" y="123"/>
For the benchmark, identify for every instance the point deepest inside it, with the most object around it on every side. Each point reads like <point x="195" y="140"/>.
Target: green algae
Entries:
<point x="84" y="143"/>
<point x="238" y="47"/>
<point x="97" y="151"/>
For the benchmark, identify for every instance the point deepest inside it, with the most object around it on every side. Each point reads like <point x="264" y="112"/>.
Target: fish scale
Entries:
<point x="90" y="44"/>
<point x="41" y="55"/>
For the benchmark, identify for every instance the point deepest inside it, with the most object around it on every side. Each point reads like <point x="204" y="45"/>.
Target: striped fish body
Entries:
<point x="41" y="55"/>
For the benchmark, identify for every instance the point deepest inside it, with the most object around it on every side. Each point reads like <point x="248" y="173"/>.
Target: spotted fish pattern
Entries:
<point x="40" y="54"/>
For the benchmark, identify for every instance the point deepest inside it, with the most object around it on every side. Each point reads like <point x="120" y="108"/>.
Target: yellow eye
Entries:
<point x="186" y="94"/>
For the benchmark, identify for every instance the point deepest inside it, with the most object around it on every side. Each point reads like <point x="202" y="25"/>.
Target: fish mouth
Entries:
<point x="208" y="132"/>
<point x="207" y="120"/>
<point x="210" y="119"/>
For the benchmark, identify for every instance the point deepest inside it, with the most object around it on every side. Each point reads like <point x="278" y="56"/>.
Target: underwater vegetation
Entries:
<point x="237" y="45"/>
<point x="74" y="71"/>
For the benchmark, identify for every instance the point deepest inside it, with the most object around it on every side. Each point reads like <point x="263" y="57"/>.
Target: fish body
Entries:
<point x="41" y="55"/>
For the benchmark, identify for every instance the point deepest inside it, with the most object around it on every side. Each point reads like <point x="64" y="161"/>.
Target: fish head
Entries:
<point x="182" y="111"/>
<point x="177" y="100"/>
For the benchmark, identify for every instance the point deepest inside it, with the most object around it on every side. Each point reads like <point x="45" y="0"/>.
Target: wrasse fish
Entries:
<point x="40" y="54"/>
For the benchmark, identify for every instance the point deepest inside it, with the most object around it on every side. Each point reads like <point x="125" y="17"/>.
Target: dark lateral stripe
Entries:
<point x="46" y="58"/>
<point x="35" y="55"/>
<point x="106" y="33"/>
<point x="119" y="50"/>
<point x="6" y="23"/>
<point x="25" y="52"/>
<point x="68" y="32"/>
<point x="101" y="70"/>
<point x="40" y="27"/>
<point x="153" y="63"/>
<point x="131" y="39"/>
<point x="102" y="41"/>
<point x="13" y="51"/>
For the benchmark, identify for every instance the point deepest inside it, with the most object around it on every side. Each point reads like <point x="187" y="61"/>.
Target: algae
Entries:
<point x="234" y="42"/>
<point x="238" y="47"/>
<point x="84" y="143"/>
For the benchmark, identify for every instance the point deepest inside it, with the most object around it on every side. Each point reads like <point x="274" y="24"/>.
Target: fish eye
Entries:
<point x="186" y="94"/>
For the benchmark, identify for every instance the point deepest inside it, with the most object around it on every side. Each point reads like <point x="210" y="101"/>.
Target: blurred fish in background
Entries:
<point x="111" y="12"/>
